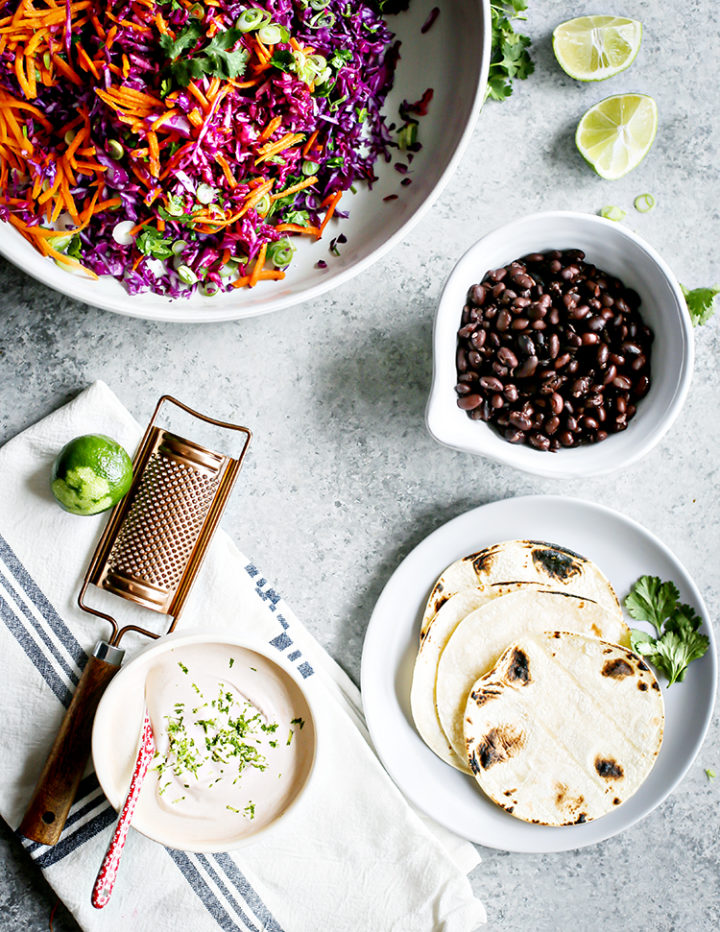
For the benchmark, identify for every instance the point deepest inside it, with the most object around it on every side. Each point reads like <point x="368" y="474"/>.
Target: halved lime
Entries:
<point x="592" y="48"/>
<point x="91" y="474"/>
<point x="615" y="135"/>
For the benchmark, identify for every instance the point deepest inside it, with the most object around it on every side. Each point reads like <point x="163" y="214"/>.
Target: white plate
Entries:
<point x="453" y="59"/>
<point x="624" y="551"/>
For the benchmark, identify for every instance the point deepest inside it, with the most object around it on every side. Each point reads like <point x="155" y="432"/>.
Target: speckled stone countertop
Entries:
<point x="343" y="479"/>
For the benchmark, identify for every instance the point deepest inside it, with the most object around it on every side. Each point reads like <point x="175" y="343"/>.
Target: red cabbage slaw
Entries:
<point x="182" y="146"/>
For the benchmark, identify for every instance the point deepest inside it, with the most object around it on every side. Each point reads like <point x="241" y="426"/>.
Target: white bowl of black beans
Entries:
<point x="562" y="346"/>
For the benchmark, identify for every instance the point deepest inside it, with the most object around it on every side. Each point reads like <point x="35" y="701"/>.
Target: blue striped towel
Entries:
<point x="353" y="856"/>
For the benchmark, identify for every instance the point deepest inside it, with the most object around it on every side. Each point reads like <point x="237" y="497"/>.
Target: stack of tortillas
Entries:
<point x="524" y="678"/>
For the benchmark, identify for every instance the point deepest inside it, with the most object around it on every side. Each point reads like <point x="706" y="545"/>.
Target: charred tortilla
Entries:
<point x="522" y="561"/>
<point x="564" y="728"/>
<point x="481" y="637"/>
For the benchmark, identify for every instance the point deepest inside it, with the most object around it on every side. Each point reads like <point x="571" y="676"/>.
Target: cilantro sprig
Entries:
<point x="509" y="54"/>
<point x="677" y="642"/>
<point x="216" y="59"/>
<point x="700" y="303"/>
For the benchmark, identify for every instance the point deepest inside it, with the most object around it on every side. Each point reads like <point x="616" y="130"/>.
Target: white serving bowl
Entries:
<point x="615" y="249"/>
<point x="118" y="724"/>
<point x="452" y="58"/>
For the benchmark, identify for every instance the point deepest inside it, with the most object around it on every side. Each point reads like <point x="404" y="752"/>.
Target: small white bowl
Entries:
<point x="615" y="249"/>
<point x="118" y="723"/>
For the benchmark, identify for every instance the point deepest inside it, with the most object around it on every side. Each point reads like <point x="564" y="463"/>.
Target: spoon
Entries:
<point x="105" y="880"/>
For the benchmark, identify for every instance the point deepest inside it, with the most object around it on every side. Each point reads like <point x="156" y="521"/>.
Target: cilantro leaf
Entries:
<point x="678" y="641"/>
<point x="700" y="303"/>
<point x="187" y="39"/>
<point x="283" y="59"/>
<point x="509" y="50"/>
<point x="152" y="243"/>
<point x="678" y="651"/>
<point x="216" y="59"/>
<point x="652" y="600"/>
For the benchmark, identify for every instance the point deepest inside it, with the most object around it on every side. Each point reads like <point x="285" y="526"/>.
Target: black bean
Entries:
<point x="562" y="361"/>
<point x="526" y="344"/>
<point x="477" y="295"/>
<point x="497" y="401"/>
<point x="491" y="383"/>
<point x="602" y="354"/>
<point x="507" y="357"/>
<point x="511" y="392"/>
<point x="468" y="402"/>
<point x="462" y="388"/>
<point x="503" y="321"/>
<point x="519" y="420"/>
<point x="590" y="339"/>
<point x="527" y="368"/>
<point x="520" y="323"/>
<point x="514" y="436"/>
<point x="551" y="425"/>
<point x="474" y="359"/>
<point x="641" y="389"/>
<point x="478" y="339"/>
<point x="540" y="441"/>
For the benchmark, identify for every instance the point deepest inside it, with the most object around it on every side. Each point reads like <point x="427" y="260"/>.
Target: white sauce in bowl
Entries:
<point x="235" y="742"/>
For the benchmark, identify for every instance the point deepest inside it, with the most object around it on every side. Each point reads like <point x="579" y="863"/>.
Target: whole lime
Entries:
<point x="91" y="474"/>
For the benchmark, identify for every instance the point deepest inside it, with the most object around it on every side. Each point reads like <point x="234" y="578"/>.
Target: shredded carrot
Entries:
<point x="270" y="128"/>
<point x="255" y="274"/>
<point x="198" y="95"/>
<point x="293" y="189"/>
<point x="331" y="210"/>
<point x="297" y="228"/>
<point x="310" y="143"/>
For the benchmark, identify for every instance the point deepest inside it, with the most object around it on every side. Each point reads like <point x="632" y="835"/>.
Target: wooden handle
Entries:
<point x="55" y="791"/>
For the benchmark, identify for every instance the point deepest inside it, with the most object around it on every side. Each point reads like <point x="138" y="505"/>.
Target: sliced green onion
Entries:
<point x="206" y="194"/>
<point x="252" y="19"/>
<point x="281" y="253"/>
<point x="209" y="289"/>
<point x="644" y="203"/>
<point x="408" y="135"/>
<point x="46" y="59"/>
<point x="317" y="62"/>
<point x="613" y="213"/>
<point x="197" y="10"/>
<point x="229" y="269"/>
<point x="322" y="21"/>
<point x="186" y="275"/>
<point x="61" y="243"/>
<point x="178" y="247"/>
<point x="121" y="233"/>
<point x="69" y="136"/>
<point x="319" y="4"/>
<point x="262" y="206"/>
<point x="270" y="35"/>
<point x="310" y="168"/>
<point x="116" y="150"/>
<point x="175" y="205"/>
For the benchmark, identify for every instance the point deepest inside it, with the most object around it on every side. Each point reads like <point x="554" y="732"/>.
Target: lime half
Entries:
<point x="592" y="48"/>
<point x="91" y="474"/>
<point x="615" y="135"/>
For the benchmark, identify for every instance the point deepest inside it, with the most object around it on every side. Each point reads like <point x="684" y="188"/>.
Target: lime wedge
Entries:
<point x="592" y="48"/>
<point x="615" y="135"/>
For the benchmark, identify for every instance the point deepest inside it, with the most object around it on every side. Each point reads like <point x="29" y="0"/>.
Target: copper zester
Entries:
<point x="150" y="554"/>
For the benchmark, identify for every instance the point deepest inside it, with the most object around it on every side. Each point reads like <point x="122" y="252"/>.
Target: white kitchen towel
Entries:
<point x="352" y="857"/>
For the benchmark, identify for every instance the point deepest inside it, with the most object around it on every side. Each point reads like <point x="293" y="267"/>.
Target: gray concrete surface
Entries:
<point x="343" y="480"/>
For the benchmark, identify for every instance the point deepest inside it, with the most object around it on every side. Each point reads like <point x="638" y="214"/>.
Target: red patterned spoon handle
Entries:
<point x="105" y="880"/>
